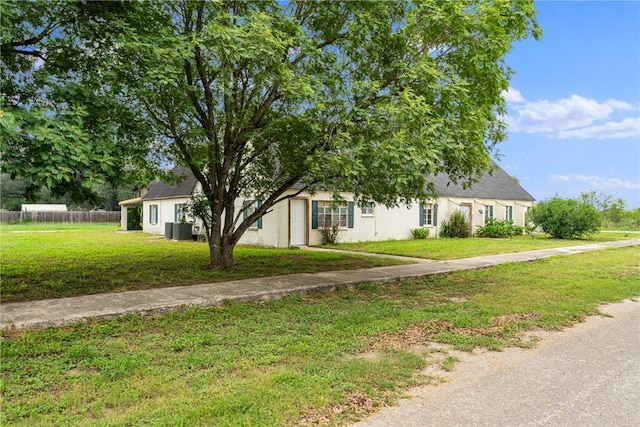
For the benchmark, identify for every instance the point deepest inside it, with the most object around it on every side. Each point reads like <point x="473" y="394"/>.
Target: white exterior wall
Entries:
<point x="269" y="234"/>
<point x="275" y="224"/>
<point x="123" y="218"/>
<point x="448" y="205"/>
<point x="384" y="224"/>
<point x="166" y="213"/>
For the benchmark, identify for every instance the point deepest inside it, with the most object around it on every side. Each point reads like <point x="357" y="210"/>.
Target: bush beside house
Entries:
<point x="565" y="218"/>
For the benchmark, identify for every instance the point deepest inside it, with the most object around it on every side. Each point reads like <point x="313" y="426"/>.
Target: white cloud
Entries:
<point x="568" y="113"/>
<point x="627" y="128"/>
<point x="597" y="182"/>
<point x="512" y="95"/>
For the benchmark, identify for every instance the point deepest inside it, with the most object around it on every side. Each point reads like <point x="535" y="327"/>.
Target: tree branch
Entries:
<point x="35" y="53"/>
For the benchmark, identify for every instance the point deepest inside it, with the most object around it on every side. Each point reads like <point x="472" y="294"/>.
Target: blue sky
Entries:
<point x="574" y="103"/>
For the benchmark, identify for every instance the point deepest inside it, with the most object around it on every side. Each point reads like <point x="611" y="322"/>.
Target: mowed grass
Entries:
<point x="320" y="359"/>
<point x="445" y="249"/>
<point x="40" y="262"/>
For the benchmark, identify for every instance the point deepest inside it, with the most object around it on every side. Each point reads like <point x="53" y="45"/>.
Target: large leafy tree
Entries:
<point x="370" y="97"/>
<point x="62" y="128"/>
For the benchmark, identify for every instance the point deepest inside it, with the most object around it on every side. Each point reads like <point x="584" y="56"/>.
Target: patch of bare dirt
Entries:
<point x="355" y="403"/>
<point x="11" y="332"/>
<point x="416" y="339"/>
<point x="513" y="318"/>
<point x="414" y="336"/>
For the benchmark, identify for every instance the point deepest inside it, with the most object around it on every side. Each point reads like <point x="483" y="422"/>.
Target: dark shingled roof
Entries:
<point x="162" y="190"/>
<point x="495" y="185"/>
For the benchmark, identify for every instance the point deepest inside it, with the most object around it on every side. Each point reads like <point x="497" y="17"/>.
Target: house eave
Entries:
<point x="135" y="201"/>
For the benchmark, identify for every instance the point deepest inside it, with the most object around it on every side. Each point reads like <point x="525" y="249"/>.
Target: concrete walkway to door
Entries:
<point x="62" y="311"/>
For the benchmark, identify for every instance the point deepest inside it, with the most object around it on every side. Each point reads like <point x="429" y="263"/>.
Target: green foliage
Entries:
<point x="198" y="207"/>
<point x="420" y="233"/>
<point x="330" y="234"/>
<point x="63" y="127"/>
<point x="499" y="228"/>
<point x="632" y="219"/>
<point x="134" y="218"/>
<point x="613" y="211"/>
<point x="256" y="96"/>
<point x="457" y="226"/>
<point x="565" y="218"/>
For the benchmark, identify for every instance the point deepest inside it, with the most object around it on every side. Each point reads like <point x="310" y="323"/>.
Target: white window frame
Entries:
<point x="508" y="213"/>
<point x="153" y="214"/>
<point x="368" y="209"/>
<point x="427" y="214"/>
<point x="488" y="212"/>
<point x="330" y="214"/>
<point x="250" y="208"/>
<point x="180" y="212"/>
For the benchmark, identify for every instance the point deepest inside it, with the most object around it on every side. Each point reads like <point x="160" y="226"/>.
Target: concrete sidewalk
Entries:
<point x="63" y="311"/>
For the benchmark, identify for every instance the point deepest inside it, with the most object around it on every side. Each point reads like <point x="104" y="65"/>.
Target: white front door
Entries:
<point x="297" y="222"/>
<point x="466" y="211"/>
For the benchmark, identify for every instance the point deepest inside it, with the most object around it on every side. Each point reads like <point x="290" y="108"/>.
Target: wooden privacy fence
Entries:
<point x="71" y="216"/>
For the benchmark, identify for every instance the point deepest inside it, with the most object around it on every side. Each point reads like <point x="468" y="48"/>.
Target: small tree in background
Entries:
<point x="612" y="210"/>
<point x="566" y="218"/>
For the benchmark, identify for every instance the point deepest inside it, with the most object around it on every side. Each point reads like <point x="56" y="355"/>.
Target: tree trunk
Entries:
<point x="220" y="253"/>
<point x="227" y="256"/>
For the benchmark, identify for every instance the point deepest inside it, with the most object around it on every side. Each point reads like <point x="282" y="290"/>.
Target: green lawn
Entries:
<point x="42" y="261"/>
<point x="325" y="358"/>
<point x="62" y="260"/>
<point x="444" y="249"/>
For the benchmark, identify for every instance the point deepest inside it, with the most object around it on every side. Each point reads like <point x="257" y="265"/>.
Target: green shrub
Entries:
<point x="499" y="228"/>
<point x="330" y="234"/>
<point x="457" y="226"/>
<point x="134" y="219"/>
<point x="420" y="233"/>
<point x="565" y="218"/>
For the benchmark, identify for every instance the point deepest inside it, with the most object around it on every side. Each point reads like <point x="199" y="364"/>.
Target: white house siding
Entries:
<point x="269" y="234"/>
<point x="447" y="206"/>
<point x="166" y="213"/>
<point x="495" y="188"/>
<point x="384" y="224"/>
<point x="275" y="224"/>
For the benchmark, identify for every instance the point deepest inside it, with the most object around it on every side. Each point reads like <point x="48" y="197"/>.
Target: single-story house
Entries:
<point x="297" y="221"/>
